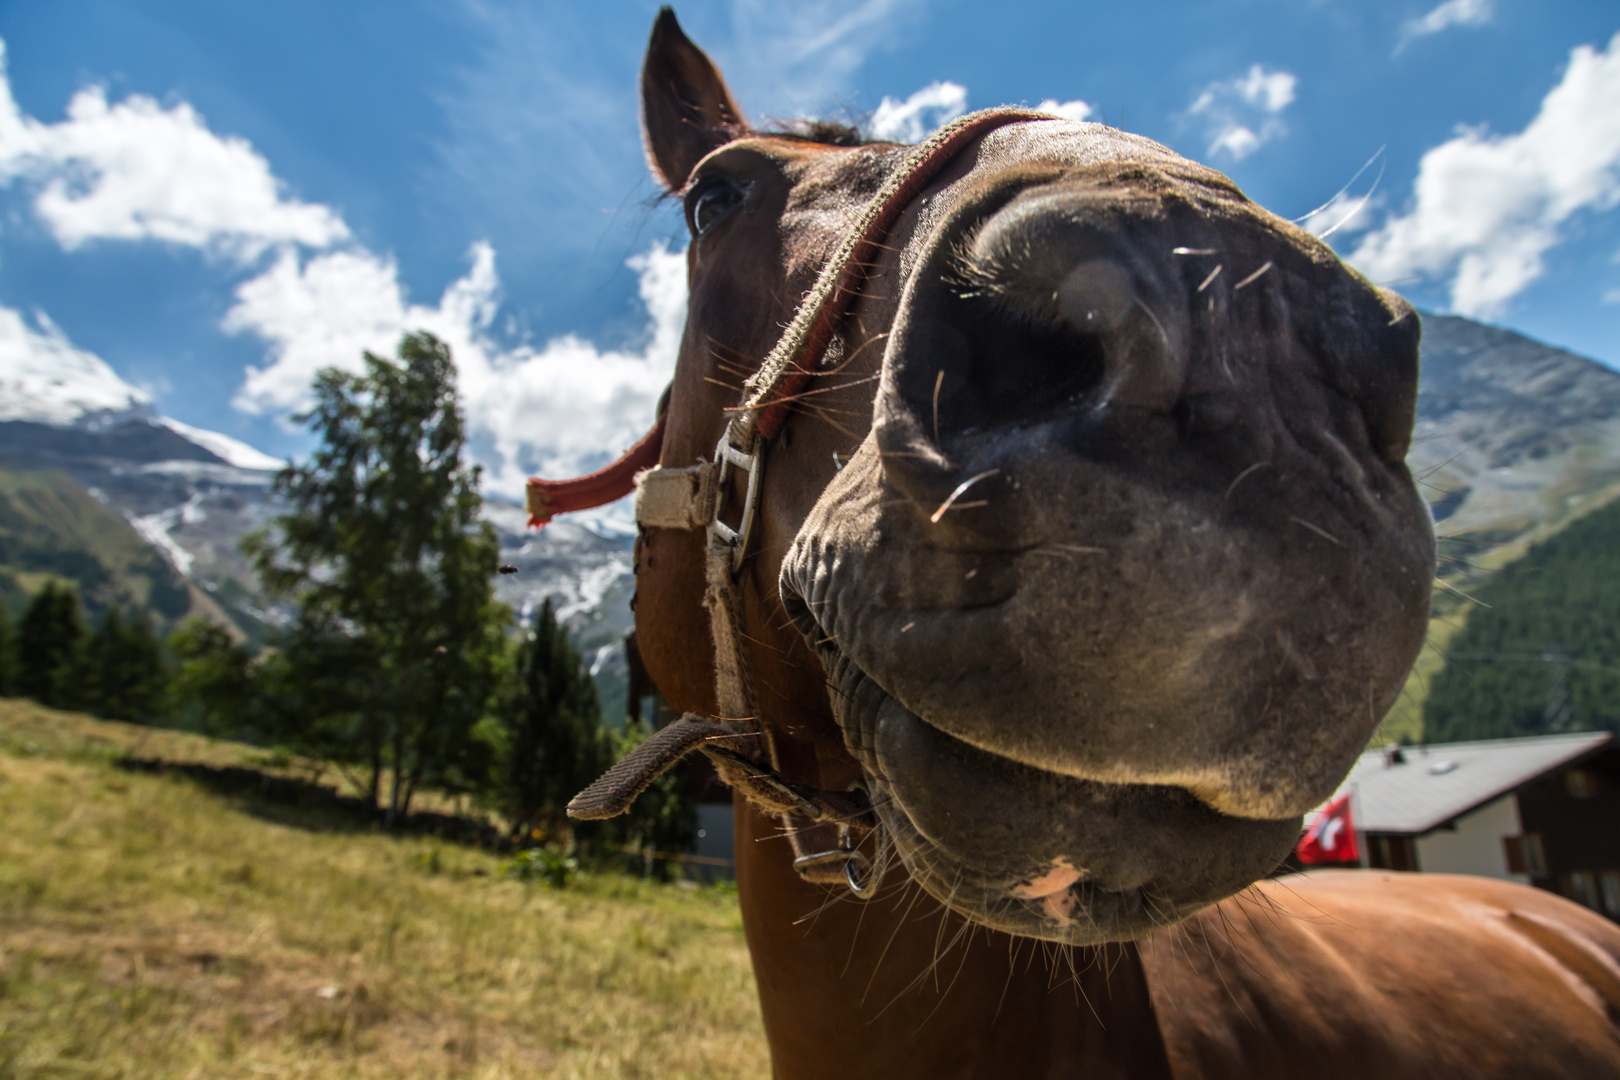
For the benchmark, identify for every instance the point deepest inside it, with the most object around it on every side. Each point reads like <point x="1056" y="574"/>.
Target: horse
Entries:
<point x="1026" y="536"/>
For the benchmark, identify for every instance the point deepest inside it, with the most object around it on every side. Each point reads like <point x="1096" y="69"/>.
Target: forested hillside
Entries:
<point x="51" y="528"/>
<point x="1514" y="440"/>
<point x="1540" y="652"/>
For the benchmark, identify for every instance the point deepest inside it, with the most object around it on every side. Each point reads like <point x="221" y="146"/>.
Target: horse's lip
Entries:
<point x="1065" y="861"/>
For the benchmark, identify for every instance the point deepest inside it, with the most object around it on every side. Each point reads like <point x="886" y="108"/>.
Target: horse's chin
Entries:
<point x="1034" y="852"/>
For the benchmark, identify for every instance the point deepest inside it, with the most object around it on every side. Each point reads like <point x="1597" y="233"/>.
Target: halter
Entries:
<point x="736" y="740"/>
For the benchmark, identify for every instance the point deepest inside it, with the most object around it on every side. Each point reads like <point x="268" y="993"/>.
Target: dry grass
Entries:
<point x="151" y="929"/>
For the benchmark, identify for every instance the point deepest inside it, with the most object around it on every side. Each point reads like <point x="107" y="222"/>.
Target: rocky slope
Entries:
<point x="1513" y="437"/>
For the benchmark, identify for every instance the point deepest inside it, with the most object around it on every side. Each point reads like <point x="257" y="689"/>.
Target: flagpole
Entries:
<point x="1355" y="821"/>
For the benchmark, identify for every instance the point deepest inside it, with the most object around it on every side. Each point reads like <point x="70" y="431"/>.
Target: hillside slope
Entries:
<point x="1541" y="654"/>
<point x="1514" y="440"/>
<point x="1513" y="437"/>
<point x="149" y="928"/>
<point x="51" y="527"/>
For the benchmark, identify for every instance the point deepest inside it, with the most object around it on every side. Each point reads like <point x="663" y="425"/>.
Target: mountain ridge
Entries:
<point x="1514" y="438"/>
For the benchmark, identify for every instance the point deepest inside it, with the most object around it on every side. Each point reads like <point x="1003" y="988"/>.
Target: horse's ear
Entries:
<point x="686" y="110"/>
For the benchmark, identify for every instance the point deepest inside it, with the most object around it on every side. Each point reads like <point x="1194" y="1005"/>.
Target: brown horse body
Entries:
<point x="1332" y="974"/>
<point x="1089" y="698"/>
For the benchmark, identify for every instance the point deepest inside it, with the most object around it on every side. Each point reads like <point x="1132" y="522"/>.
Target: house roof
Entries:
<point x="1435" y="784"/>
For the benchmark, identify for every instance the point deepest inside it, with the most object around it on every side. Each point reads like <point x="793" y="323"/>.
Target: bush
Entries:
<point x="553" y="864"/>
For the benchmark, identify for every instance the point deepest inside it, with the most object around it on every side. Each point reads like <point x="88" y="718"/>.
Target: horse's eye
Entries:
<point x="711" y="203"/>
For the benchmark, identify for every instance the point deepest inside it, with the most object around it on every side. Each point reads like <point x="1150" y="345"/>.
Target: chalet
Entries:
<point x="1544" y="811"/>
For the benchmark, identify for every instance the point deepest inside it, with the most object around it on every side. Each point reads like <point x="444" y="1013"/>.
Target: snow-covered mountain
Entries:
<point x="193" y="494"/>
<point x="1514" y="438"/>
<point x="45" y="379"/>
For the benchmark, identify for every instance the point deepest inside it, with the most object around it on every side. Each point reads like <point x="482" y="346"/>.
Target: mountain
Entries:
<point x="142" y="510"/>
<point x="1513" y="437"/>
<point x="51" y="526"/>
<point x="185" y="503"/>
<point x="1514" y="440"/>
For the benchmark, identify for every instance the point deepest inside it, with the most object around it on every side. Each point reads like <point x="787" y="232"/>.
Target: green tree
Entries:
<point x="126" y="676"/>
<point x="385" y="557"/>
<point x="1541" y="652"/>
<point x="10" y="665"/>
<point x="554" y="744"/>
<point x="50" y="646"/>
<point x="214" y="684"/>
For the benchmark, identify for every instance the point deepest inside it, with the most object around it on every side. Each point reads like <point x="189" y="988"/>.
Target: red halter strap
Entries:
<point x="548" y="498"/>
<point x="793" y="362"/>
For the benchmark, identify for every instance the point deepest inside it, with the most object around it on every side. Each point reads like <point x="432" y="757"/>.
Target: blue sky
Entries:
<point x="217" y="197"/>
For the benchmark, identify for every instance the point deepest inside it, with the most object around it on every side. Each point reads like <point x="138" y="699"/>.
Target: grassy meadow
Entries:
<point x="152" y="928"/>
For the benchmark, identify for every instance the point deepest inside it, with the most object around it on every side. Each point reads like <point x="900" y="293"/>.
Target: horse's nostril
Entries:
<point x="991" y="369"/>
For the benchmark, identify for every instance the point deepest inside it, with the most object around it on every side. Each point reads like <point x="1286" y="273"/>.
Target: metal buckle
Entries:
<point x="862" y="876"/>
<point x="726" y="458"/>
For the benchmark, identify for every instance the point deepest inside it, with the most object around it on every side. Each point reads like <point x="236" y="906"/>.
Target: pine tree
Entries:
<point x="50" y="647"/>
<point x="555" y="744"/>
<point x="126" y="676"/>
<point x="10" y="665"/>
<point x="214" y="683"/>
<point x="1540" y="653"/>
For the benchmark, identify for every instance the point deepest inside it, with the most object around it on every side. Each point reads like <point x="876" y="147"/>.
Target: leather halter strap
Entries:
<point x="817" y="822"/>
<point x="789" y="366"/>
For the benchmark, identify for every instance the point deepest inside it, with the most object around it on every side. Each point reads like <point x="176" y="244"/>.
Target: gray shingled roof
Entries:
<point x="1438" y="783"/>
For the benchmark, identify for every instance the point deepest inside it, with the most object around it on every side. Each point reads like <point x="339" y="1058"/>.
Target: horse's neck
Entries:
<point x="897" y="987"/>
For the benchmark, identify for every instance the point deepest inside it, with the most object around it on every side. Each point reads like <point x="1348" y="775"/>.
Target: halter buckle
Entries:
<point x="726" y="458"/>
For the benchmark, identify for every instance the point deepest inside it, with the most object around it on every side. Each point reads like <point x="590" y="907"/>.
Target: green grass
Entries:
<point x="151" y="929"/>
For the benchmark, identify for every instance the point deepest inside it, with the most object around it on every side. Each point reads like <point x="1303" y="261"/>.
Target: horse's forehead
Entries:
<point x="1071" y="143"/>
<point x="830" y="185"/>
<point x="1131" y="168"/>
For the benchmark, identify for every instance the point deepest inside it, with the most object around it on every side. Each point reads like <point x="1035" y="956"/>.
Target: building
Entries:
<point x="1543" y="811"/>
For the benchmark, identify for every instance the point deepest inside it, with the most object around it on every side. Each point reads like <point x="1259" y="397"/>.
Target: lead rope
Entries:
<point x="737" y="741"/>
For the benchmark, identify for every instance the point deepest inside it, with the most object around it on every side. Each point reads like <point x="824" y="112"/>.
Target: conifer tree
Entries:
<point x="50" y="647"/>
<point x="9" y="663"/>
<point x="555" y="744"/>
<point x="1540" y="653"/>
<point x="126" y="676"/>
<point x="215" y="679"/>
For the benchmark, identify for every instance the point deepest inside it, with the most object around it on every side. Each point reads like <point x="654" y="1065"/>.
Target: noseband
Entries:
<point x="737" y="740"/>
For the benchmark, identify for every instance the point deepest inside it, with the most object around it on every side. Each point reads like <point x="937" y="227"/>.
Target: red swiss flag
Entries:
<point x="1331" y="837"/>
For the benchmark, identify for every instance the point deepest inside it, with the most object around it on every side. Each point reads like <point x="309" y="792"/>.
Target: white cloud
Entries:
<point x="1486" y="208"/>
<point x="46" y="379"/>
<point x="911" y="120"/>
<point x="134" y="170"/>
<point x="1451" y="13"/>
<point x="1612" y="296"/>
<point x="137" y="171"/>
<point x="1069" y="110"/>
<point x="1244" y="113"/>
<point x="558" y="410"/>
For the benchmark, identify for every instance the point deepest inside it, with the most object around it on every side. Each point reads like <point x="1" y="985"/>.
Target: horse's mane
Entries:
<point x="823" y="132"/>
